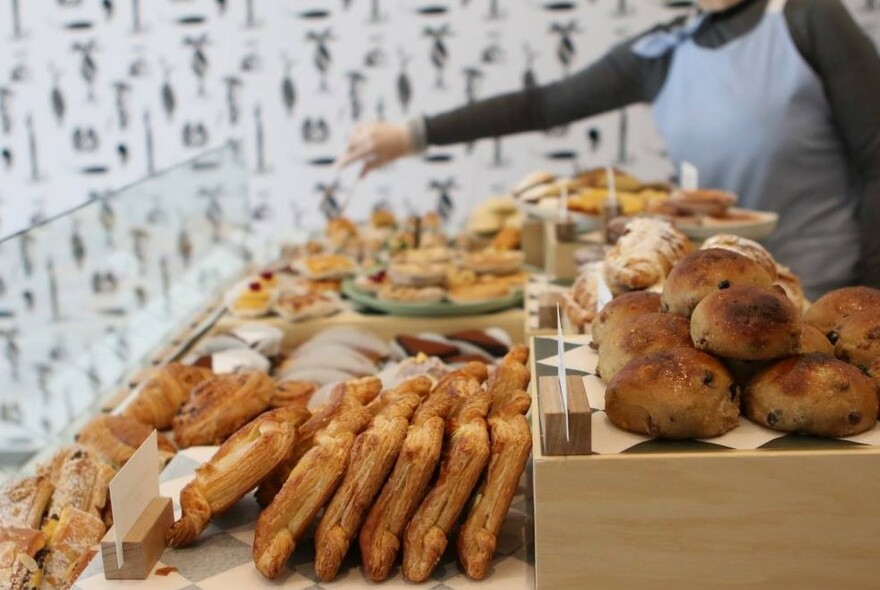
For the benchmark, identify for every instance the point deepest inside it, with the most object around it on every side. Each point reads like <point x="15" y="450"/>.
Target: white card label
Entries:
<point x="132" y="490"/>
<point x="690" y="177"/>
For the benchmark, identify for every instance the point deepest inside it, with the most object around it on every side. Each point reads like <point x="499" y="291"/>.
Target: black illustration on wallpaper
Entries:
<point x="322" y="58"/>
<point x="56" y="97"/>
<point x="25" y="243"/>
<point x="250" y="15"/>
<point x="194" y="134"/>
<point x="88" y="68"/>
<point x="530" y="79"/>
<point x="32" y="148"/>
<point x="404" y="84"/>
<point x="594" y="138"/>
<point x="260" y="140"/>
<point x="472" y="76"/>
<point x="107" y="5"/>
<point x="622" y="8"/>
<point x="315" y="130"/>
<point x="136" y="25"/>
<point x="565" y="47"/>
<point x="329" y="205"/>
<point x="169" y="101"/>
<point x="122" y="152"/>
<point x="355" y="89"/>
<point x="288" y="90"/>
<point x="184" y="247"/>
<point x="122" y="91"/>
<point x="107" y="219"/>
<point x="85" y="139"/>
<point x="445" y="206"/>
<point x="148" y="144"/>
<point x="77" y="246"/>
<point x="199" y="59"/>
<point x="376" y="15"/>
<point x="6" y="95"/>
<point x="623" y="137"/>
<point x="16" y="20"/>
<point x="439" y="54"/>
<point x="8" y="159"/>
<point x="233" y="107"/>
<point x="54" y="303"/>
<point x="374" y="58"/>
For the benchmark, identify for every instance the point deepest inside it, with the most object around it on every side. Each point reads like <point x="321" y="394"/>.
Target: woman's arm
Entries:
<point x="618" y="79"/>
<point x="849" y="66"/>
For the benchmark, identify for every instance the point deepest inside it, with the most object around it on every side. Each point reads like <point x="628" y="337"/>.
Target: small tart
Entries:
<point x="494" y="261"/>
<point x="416" y="274"/>
<point x="411" y="294"/>
<point x="249" y="299"/>
<point x="267" y="278"/>
<point x="373" y="282"/>
<point x="296" y="307"/>
<point x="327" y="266"/>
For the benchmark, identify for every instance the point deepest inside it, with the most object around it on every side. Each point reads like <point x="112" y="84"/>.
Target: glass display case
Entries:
<point x="88" y="295"/>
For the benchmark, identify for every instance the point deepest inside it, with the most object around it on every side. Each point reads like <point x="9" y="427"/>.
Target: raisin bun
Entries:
<point x="621" y="309"/>
<point x="747" y="323"/>
<point x="705" y="271"/>
<point x="857" y="338"/>
<point x="812" y="394"/>
<point x="675" y="394"/>
<point x="640" y="336"/>
<point x="812" y="340"/>
<point x="746" y="247"/>
<point x="834" y="307"/>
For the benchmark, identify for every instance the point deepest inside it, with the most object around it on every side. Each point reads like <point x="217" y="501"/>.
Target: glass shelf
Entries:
<point x="88" y="295"/>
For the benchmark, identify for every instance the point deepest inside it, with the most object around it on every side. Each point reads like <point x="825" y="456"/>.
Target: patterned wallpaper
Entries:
<point x="95" y="94"/>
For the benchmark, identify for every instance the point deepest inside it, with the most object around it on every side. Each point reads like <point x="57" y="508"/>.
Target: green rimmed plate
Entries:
<point x="435" y="310"/>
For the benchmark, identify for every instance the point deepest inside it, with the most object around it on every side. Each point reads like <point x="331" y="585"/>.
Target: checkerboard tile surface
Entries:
<point x="581" y="359"/>
<point x="221" y="560"/>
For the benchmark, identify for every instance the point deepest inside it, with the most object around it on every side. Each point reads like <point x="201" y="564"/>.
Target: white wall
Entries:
<point x="115" y="63"/>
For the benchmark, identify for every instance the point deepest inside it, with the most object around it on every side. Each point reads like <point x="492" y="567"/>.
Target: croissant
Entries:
<point x="19" y="547"/>
<point x="158" y="398"/>
<point x="23" y="502"/>
<point x="116" y="438"/>
<point x="70" y="548"/>
<point x="310" y="485"/>
<point x="511" y="445"/>
<point x="380" y="537"/>
<point x="644" y="255"/>
<point x="372" y="457"/>
<point x="345" y="396"/>
<point x="463" y="462"/>
<point x="245" y="459"/>
<point x="220" y="406"/>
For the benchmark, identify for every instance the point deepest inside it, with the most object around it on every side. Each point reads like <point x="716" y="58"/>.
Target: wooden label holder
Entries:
<point x="553" y="417"/>
<point x="142" y="546"/>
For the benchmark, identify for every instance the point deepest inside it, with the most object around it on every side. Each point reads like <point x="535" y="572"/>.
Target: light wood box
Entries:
<point x="757" y="520"/>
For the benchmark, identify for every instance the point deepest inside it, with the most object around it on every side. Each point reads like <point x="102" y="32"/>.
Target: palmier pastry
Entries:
<point x="812" y="394"/>
<point x="158" y="398"/>
<point x="19" y="548"/>
<point x="381" y="535"/>
<point x="70" y="546"/>
<point x="832" y="308"/>
<point x="748" y="248"/>
<point x="640" y="336"/>
<point x="747" y="323"/>
<point x="116" y="438"/>
<point x="221" y="406"/>
<point x="857" y="338"/>
<point x="812" y="340"/>
<point x="674" y="394"/>
<point x="704" y="272"/>
<point x="511" y="441"/>
<point x="244" y="460"/>
<point x="622" y="308"/>
<point x="23" y="502"/>
<point x="372" y="457"/>
<point x="644" y="255"/>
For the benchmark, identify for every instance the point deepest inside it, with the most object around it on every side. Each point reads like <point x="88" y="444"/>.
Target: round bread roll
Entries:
<point x="857" y="338"/>
<point x="812" y="394"/>
<point x="834" y="307"/>
<point x="705" y="271"/>
<point x="640" y="336"/>
<point x="747" y="323"/>
<point x="746" y="247"/>
<point x="621" y="309"/>
<point x="675" y="394"/>
<point x="812" y="340"/>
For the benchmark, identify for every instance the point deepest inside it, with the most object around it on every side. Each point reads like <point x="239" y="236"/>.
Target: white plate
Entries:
<point x="761" y="225"/>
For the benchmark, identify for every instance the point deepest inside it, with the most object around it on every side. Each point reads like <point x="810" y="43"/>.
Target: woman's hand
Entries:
<point x="376" y="144"/>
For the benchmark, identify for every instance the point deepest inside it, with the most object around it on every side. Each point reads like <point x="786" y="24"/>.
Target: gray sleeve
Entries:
<point x="617" y="79"/>
<point x="849" y="66"/>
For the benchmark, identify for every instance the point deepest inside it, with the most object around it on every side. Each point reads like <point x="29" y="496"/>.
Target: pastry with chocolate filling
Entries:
<point x="674" y="394"/>
<point x="834" y="307"/>
<point x="641" y="336"/>
<point x="622" y="308"/>
<point x="812" y="394"/>
<point x="747" y="323"/>
<point x="705" y="271"/>
<point x="857" y="338"/>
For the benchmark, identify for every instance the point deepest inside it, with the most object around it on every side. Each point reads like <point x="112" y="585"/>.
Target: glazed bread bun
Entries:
<point x="621" y="309"/>
<point x="705" y="271"/>
<point x="834" y="307"/>
<point x="746" y="247"/>
<point x="675" y="394"/>
<point x="857" y="338"/>
<point x="812" y="394"/>
<point x="747" y="323"/>
<point x="812" y="340"/>
<point x="640" y="336"/>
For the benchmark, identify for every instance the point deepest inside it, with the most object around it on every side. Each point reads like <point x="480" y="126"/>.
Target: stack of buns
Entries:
<point x="725" y="337"/>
